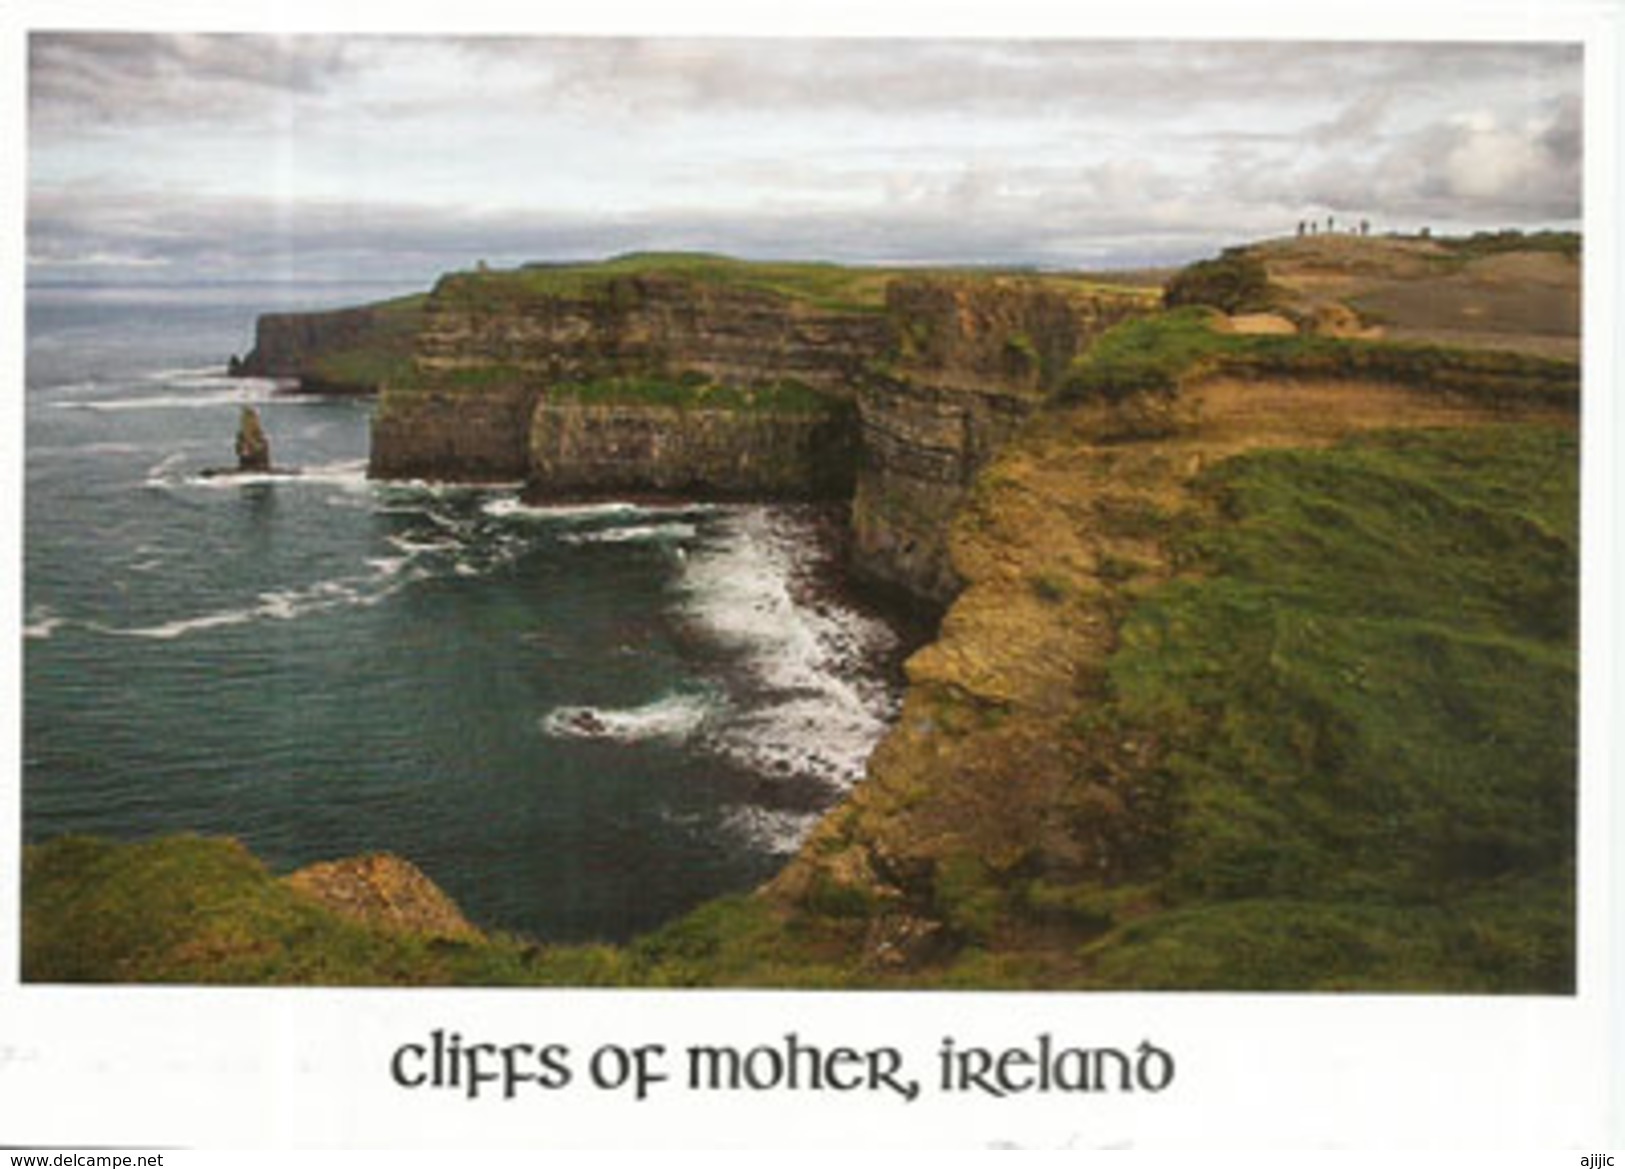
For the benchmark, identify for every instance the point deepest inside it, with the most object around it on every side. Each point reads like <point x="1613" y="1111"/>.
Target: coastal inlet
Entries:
<point x="579" y="721"/>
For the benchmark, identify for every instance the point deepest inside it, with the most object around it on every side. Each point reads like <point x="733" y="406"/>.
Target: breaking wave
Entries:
<point x="816" y="704"/>
<point x="277" y="605"/>
<point x="633" y="533"/>
<point x="197" y="394"/>
<point x="674" y="717"/>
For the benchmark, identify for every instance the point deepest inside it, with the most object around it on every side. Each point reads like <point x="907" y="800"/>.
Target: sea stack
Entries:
<point x="253" y="448"/>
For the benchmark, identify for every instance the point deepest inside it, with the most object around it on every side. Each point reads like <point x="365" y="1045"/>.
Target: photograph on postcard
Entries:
<point x="895" y="513"/>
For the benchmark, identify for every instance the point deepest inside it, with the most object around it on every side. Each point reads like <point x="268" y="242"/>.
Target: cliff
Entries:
<point x="645" y="374"/>
<point x="1186" y="670"/>
<point x="599" y="445"/>
<point x="342" y="351"/>
<point x="1259" y="668"/>
<point x="1108" y="771"/>
<point x="969" y="360"/>
<point x="700" y="375"/>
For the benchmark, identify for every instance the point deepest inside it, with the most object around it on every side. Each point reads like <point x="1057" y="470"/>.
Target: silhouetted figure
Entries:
<point x="1365" y="227"/>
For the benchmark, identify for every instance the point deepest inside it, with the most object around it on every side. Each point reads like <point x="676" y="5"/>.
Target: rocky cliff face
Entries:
<point x="579" y="448"/>
<point x="494" y="347"/>
<point x="286" y="343"/>
<point x="551" y="330"/>
<point x="972" y="360"/>
<point x="420" y="432"/>
<point x="939" y="374"/>
<point x="342" y="351"/>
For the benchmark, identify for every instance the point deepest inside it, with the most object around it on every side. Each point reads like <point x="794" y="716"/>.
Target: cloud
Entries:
<point x="968" y="218"/>
<point x="77" y="79"/>
<point x="1360" y="118"/>
<point x="120" y="75"/>
<point x="415" y="154"/>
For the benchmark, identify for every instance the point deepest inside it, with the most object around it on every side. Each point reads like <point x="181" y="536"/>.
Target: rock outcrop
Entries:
<point x="253" y="448"/>
<point x="383" y="890"/>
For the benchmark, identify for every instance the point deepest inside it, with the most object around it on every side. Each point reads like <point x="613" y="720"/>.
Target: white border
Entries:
<point x="306" y="1068"/>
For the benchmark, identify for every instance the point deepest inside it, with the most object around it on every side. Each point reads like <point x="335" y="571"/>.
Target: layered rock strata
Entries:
<point x="285" y="344"/>
<point x="339" y="351"/>
<point x="972" y="360"/>
<point x="519" y="376"/>
<point x="496" y="351"/>
<point x="586" y="448"/>
<point x="549" y="331"/>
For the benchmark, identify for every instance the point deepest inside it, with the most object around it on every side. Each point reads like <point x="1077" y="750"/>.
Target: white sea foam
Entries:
<point x="632" y="533"/>
<point x="41" y="623"/>
<point x="349" y="474"/>
<point x="773" y="830"/>
<point x="159" y="474"/>
<point x="203" y="394"/>
<point x="416" y="547"/>
<point x="512" y="507"/>
<point x="278" y="605"/>
<point x="817" y="707"/>
<point x="675" y="717"/>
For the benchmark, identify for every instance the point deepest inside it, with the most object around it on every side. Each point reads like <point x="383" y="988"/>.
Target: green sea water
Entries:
<point x="578" y="720"/>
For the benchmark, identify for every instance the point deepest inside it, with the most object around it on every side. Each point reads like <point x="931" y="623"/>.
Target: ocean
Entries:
<point x="580" y="721"/>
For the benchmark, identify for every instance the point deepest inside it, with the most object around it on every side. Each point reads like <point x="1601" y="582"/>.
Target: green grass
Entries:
<point x="195" y="909"/>
<point x="476" y="378"/>
<point x="385" y="356"/>
<point x="1159" y="353"/>
<point x="1491" y="243"/>
<point x="842" y="288"/>
<point x="1514" y="938"/>
<point x="1367" y="702"/>
<point x="192" y="909"/>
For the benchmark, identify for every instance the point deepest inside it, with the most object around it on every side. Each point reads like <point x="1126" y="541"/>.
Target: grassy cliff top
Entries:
<point x="829" y="286"/>
<point x="1159" y="353"/>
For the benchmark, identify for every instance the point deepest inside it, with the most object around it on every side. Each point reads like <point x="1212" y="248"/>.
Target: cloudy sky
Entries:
<point x="171" y="157"/>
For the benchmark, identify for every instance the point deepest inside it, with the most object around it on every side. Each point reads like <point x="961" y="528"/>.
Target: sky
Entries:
<point x="299" y="157"/>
